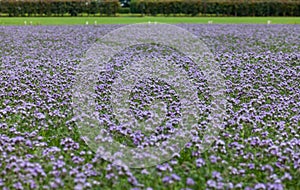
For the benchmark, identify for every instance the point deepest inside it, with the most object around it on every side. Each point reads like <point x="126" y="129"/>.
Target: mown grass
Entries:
<point x="132" y="20"/>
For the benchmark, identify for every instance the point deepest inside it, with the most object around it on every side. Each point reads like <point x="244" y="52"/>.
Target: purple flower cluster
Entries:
<point x="258" y="148"/>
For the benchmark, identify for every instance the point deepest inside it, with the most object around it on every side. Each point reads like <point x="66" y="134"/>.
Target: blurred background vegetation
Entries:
<point x="13" y="8"/>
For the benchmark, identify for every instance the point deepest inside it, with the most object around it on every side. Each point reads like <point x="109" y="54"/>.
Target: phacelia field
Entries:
<point x="257" y="148"/>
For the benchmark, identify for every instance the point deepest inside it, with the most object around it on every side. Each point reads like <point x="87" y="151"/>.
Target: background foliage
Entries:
<point x="59" y="7"/>
<point x="151" y="7"/>
<point x="218" y="7"/>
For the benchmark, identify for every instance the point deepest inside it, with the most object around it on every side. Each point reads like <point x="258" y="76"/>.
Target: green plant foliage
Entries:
<point x="59" y="7"/>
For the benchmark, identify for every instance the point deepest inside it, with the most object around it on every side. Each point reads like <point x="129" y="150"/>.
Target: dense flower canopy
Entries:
<point x="259" y="147"/>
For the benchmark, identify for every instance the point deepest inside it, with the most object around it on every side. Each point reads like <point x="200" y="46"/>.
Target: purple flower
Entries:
<point x="287" y="176"/>
<point x="18" y="186"/>
<point x="167" y="179"/>
<point x="40" y="116"/>
<point x="217" y="175"/>
<point x="78" y="187"/>
<point x="211" y="183"/>
<point x="251" y="166"/>
<point x="175" y="177"/>
<point x="213" y="159"/>
<point x="164" y="167"/>
<point x="260" y="186"/>
<point x="200" y="162"/>
<point x="190" y="181"/>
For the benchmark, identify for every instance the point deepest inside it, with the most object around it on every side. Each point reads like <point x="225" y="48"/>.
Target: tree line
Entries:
<point x="59" y="7"/>
<point x="217" y="7"/>
<point x="151" y="7"/>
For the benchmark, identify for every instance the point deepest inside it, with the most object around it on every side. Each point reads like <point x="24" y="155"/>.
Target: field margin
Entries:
<point x="132" y="20"/>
